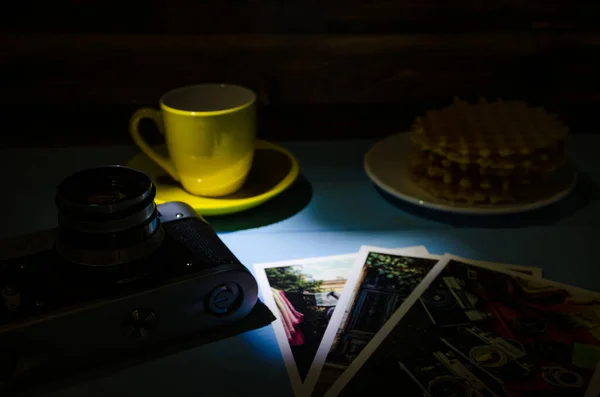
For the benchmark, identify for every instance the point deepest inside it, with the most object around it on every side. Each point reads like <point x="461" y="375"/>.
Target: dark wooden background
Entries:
<point x="72" y="71"/>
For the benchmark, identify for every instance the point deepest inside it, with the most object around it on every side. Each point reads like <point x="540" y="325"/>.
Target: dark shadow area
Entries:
<point x="585" y="191"/>
<point x="281" y="207"/>
<point x="66" y="373"/>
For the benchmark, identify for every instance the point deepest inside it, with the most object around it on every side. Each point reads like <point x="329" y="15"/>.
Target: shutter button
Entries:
<point x="224" y="298"/>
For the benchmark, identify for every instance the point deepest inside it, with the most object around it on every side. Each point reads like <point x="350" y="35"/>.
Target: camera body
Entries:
<point x="498" y="358"/>
<point x="557" y="339"/>
<point x="443" y="373"/>
<point x="514" y="342"/>
<point x="449" y="305"/>
<point x="58" y="314"/>
<point x="506" y="363"/>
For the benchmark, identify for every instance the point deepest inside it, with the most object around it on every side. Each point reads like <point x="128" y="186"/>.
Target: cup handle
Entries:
<point x="154" y="115"/>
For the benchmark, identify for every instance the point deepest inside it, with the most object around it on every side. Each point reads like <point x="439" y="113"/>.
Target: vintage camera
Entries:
<point x="567" y="367"/>
<point x="529" y="322"/>
<point x="507" y="363"/>
<point x="448" y="304"/>
<point x="118" y="275"/>
<point x="561" y="342"/>
<point x="564" y="381"/>
<point x="498" y="358"/>
<point x="444" y="374"/>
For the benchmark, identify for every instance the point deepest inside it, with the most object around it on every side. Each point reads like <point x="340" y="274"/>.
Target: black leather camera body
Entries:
<point x="118" y="275"/>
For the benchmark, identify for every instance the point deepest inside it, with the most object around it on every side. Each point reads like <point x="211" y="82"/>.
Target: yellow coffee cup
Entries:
<point x="210" y="130"/>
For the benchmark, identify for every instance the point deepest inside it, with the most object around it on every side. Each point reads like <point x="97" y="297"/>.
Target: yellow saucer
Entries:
<point x="274" y="169"/>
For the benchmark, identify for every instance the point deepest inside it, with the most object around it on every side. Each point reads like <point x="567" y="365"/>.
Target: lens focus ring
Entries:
<point x="107" y="216"/>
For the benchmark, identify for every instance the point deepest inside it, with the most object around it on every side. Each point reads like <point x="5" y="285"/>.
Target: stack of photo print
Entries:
<point x="404" y="322"/>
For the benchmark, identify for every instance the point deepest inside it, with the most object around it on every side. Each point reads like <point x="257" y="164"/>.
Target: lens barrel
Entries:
<point x="107" y="216"/>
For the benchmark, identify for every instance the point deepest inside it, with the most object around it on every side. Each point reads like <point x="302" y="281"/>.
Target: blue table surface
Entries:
<point x="345" y="211"/>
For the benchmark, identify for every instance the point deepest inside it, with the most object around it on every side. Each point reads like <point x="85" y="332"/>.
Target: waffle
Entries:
<point x="469" y="196"/>
<point x="497" y="134"/>
<point x="546" y="166"/>
<point x="459" y="186"/>
<point x="487" y="152"/>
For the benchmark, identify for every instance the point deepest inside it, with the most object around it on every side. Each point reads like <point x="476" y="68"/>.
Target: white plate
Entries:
<point x="387" y="164"/>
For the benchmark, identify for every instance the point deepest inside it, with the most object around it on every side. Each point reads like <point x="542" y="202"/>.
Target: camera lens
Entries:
<point x="107" y="216"/>
<point x="562" y="377"/>
<point x="488" y="356"/>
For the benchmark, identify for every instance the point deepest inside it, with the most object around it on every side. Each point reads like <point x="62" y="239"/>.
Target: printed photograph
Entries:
<point x="306" y="295"/>
<point x="303" y="295"/>
<point x="383" y="281"/>
<point x="474" y="330"/>
<point x="536" y="272"/>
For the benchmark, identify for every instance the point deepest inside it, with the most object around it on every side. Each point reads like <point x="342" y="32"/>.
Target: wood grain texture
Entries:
<point x="137" y="69"/>
<point x="82" y="89"/>
<point x="79" y="124"/>
<point x="294" y="16"/>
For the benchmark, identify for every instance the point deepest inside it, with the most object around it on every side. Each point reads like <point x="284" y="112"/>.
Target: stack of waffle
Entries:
<point x="489" y="152"/>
